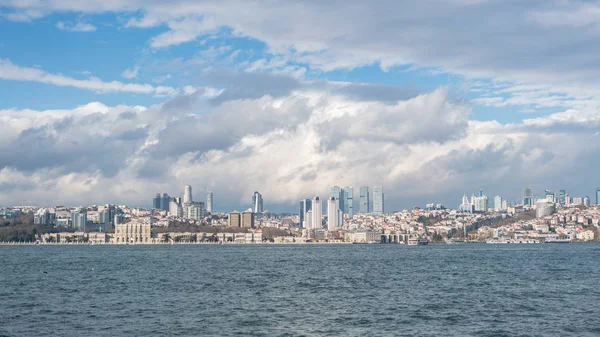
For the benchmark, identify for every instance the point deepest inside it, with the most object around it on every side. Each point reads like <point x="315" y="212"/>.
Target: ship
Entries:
<point x="417" y="242"/>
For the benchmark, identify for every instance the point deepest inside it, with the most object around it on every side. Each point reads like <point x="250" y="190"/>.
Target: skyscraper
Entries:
<point x="175" y="208"/>
<point x="527" y="197"/>
<point x="549" y="196"/>
<point x="561" y="197"/>
<point x="332" y="214"/>
<point x="597" y="195"/>
<point x="156" y="201"/>
<point x="498" y="202"/>
<point x="338" y="194"/>
<point x="257" y="203"/>
<point x="349" y="201"/>
<point x="164" y="202"/>
<point x="78" y="219"/>
<point x="209" y="202"/>
<point x="364" y="206"/>
<point x="187" y="194"/>
<point x="317" y="213"/>
<point x="378" y="200"/>
<point x="305" y="206"/>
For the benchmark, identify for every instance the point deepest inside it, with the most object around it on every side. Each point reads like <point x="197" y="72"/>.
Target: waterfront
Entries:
<point x="300" y="290"/>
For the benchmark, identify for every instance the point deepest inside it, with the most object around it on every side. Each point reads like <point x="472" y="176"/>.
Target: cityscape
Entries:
<point x="549" y="218"/>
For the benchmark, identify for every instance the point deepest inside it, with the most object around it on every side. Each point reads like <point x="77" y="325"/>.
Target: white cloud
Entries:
<point x="131" y="73"/>
<point x="77" y="27"/>
<point x="11" y="71"/>
<point x="421" y="149"/>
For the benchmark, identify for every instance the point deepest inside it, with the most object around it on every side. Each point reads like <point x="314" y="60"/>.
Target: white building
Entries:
<point x="332" y="214"/>
<point x="175" y="208"/>
<point x="317" y="214"/>
<point x="187" y="194"/>
<point x="209" y="202"/>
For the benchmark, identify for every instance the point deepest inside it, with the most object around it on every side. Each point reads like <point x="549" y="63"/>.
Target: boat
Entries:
<point x="557" y="241"/>
<point x="417" y="242"/>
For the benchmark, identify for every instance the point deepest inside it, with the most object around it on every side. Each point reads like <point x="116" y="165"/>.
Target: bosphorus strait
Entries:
<point x="300" y="290"/>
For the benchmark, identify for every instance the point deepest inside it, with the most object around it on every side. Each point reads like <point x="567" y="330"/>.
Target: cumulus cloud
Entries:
<point x="77" y="27"/>
<point x="421" y="148"/>
<point x="11" y="71"/>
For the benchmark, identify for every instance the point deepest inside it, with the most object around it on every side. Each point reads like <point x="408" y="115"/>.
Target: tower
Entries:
<point x="332" y="214"/>
<point x="305" y="206"/>
<point x="378" y="200"/>
<point x="349" y="201"/>
<point x="187" y="194"/>
<point x="338" y="194"/>
<point x="317" y="213"/>
<point x="257" y="203"/>
<point x="209" y="202"/>
<point x="156" y="201"/>
<point x="364" y="200"/>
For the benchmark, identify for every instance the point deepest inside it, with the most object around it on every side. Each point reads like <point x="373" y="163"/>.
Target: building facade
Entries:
<point x="378" y="200"/>
<point x="187" y="194"/>
<point x="317" y="214"/>
<point x="364" y="205"/>
<point x="349" y="201"/>
<point x="132" y="232"/>
<point x="209" y="202"/>
<point x="257" y="203"/>
<point x="332" y="214"/>
<point x="305" y="206"/>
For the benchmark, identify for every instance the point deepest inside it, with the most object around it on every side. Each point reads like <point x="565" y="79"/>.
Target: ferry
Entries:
<point x="417" y="242"/>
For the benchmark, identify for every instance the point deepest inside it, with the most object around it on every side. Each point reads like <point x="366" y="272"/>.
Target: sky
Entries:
<point x="114" y="101"/>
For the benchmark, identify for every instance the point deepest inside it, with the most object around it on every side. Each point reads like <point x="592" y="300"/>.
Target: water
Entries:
<point x="297" y="290"/>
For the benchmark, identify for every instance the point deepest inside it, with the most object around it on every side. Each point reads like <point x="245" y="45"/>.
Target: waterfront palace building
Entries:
<point x="132" y="232"/>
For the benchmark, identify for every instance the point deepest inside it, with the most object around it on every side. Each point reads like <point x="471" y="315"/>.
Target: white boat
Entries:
<point x="417" y="242"/>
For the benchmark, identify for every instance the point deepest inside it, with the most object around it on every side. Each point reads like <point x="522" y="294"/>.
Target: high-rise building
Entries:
<point x="597" y="195"/>
<point x="498" y="203"/>
<point x="156" y="201"/>
<point x="193" y="211"/>
<point x="317" y="213"/>
<point x="332" y="214"/>
<point x="586" y="201"/>
<point x="78" y="219"/>
<point x="305" y="206"/>
<point x="175" y="208"/>
<point x="187" y="194"/>
<point x="106" y="216"/>
<point x="561" y="197"/>
<point x="209" y="202"/>
<point x="378" y="200"/>
<point x="257" y="203"/>
<point x="527" y="197"/>
<point x="235" y="219"/>
<point x="338" y="194"/>
<point x="549" y="196"/>
<point x="364" y="206"/>
<point x="164" y="202"/>
<point x="247" y="220"/>
<point x="349" y="201"/>
<point x="480" y="203"/>
<point x="308" y="218"/>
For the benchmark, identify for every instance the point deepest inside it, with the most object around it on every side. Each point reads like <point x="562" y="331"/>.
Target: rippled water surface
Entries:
<point x="300" y="290"/>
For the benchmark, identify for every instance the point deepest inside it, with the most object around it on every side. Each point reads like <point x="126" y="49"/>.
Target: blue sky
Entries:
<point x="498" y="95"/>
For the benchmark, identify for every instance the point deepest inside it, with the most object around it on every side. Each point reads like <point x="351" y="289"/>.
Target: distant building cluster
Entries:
<point x="340" y="204"/>
<point x="549" y="217"/>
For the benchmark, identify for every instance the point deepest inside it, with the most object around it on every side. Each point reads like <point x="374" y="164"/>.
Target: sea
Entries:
<point x="300" y="290"/>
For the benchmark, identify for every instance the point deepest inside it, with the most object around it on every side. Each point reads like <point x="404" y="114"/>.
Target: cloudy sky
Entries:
<point x="112" y="101"/>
